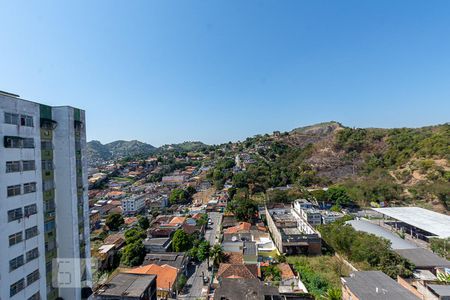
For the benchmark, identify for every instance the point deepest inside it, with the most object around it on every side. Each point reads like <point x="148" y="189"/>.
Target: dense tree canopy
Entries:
<point x="114" y="221"/>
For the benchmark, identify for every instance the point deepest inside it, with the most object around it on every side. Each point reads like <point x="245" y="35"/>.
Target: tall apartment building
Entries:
<point x="44" y="211"/>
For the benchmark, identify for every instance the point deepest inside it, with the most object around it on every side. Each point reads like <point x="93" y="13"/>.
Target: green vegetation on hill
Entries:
<point x="367" y="251"/>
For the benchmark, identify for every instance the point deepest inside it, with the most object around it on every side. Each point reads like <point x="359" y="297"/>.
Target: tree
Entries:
<point x="133" y="254"/>
<point x="181" y="282"/>
<point x="281" y="258"/>
<point x="243" y="209"/>
<point x="333" y="294"/>
<point x="216" y="254"/>
<point x="133" y="235"/>
<point x="181" y="241"/>
<point x="114" y="221"/>
<point x="338" y="196"/>
<point x="203" y="251"/>
<point x="143" y="222"/>
<point x="272" y="273"/>
<point x="178" y="196"/>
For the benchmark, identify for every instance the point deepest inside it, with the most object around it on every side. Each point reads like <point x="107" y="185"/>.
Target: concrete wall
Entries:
<point x="15" y="105"/>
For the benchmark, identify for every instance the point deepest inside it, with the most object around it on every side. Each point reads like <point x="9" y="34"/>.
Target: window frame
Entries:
<point x="29" y="187"/>
<point x="13" y="166"/>
<point x="30" y="210"/>
<point x="13" y="190"/>
<point x="15" y="238"/>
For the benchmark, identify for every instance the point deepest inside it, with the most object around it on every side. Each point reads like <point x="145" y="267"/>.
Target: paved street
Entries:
<point x="195" y="282"/>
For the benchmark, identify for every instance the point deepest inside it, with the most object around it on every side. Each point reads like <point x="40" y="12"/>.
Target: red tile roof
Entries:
<point x="237" y="271"/>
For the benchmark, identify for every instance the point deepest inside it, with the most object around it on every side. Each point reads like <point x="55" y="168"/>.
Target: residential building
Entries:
<point x="178" y="260"/>
<point x="245" y="288"/>
<point x="133" y="205"/>
<point x="373" y="285"/>
<point x="288" y="236"/>
<point x="124" y="286"/>
<point x="43" y="185"/>
<point x="157" y="244"/>
<point x="166" y="278"/>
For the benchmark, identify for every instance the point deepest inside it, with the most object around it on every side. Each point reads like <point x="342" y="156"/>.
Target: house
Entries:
<point x="178" y="260"/>
<point x="174" y="180"/>
<point x="238" y="271"/>
<point x="115" y="195"/>
<point x="157" y="244"/>
<point x="287" y="235"/>
<point x="160" y="232"/>
<point x="166" y="278"/>
<point x="117" y="239"/>
<point x="250" y="253"/>
<point x="241" y="227"/>
<point x="289" y="282"/>
<point x="253" y="289"/>
<point x="133" y="205"/>
<point x="128" y="287"/>
<point x="228" y="221"/>
<point x="373" y="285"/>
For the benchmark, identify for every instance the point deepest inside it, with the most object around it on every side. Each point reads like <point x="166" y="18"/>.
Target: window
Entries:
<point x="15" y="214"/>
<point x="28" y="165"/>
<point x="12" y="142"/>
<point x="47" y="165"/>
<point x="29" y="187"/>
<point x="26" y="121"/>
<point x="49" y="205"/>
<point x="18" y="142"/>
<point x="49" y="226"/>
<point x="16" y="287"/>
<point x="28" y="143"/>
<point x="46" y="145"/>
<point x="30" y="210"/>
<point x="32" y="254"/>
<point x="12" y="166"/>
<point x="11" y="118"/>
<point x="15" y="238"/>
<point x="48" y="185"/>
<point x="35" y="296"/>
<point x="16" y="263"/>
<point x="31" y="232"/>
<point x="32" y="277"/>
<point x="14" y="190"/>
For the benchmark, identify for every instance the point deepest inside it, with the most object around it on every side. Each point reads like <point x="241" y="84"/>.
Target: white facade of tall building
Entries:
<point x="44" y="211"/>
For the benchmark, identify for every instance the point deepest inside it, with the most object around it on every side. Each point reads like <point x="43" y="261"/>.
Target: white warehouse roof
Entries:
<point x="427" y="220"/>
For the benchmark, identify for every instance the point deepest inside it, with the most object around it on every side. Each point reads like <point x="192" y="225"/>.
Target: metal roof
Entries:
<point x="396" y="241"/>
<point x="427" y="220"/>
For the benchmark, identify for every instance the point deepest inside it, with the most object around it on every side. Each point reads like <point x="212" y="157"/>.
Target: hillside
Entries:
<point x="99" y="153"/>
<point x="404" y="165"/>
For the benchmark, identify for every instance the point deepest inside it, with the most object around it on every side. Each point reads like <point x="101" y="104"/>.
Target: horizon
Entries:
<point x="170" y="71"/>
<point x="289" y="130"/>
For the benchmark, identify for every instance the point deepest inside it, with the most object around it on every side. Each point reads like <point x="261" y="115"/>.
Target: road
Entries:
<point x="195" y="282"/>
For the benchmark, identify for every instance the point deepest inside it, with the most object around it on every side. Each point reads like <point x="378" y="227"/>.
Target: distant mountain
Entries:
<point x="98" y="153"/>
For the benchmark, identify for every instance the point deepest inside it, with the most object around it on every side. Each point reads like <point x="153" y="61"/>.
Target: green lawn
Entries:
<point x="330" y="268"/>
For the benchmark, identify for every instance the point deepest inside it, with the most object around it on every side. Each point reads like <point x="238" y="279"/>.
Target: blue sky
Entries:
<point x="170" y="71"/>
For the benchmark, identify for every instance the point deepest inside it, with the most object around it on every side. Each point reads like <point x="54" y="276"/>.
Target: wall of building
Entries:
<point x="14" y="105"/>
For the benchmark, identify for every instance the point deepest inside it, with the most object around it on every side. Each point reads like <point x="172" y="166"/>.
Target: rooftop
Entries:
<point x="166" y="275"/>
<point x="396" y="241"/>
<point x="174" y="259"/>
<point x="423" y="258"/>
<point x="253" y="289"/>
<point x="375" y="285"/>
<point x="427" y="220"/>
<point x="132" y="285"/>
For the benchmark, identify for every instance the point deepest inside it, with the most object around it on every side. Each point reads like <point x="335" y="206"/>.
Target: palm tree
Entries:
<point x="332" y="294"/>
<point x="217" y="255"/>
